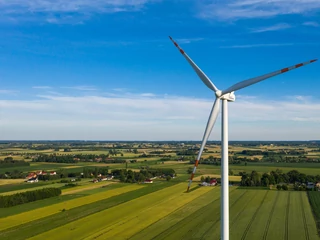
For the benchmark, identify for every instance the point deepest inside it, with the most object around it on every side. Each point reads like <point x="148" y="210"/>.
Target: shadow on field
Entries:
<point x="193" y="189"/>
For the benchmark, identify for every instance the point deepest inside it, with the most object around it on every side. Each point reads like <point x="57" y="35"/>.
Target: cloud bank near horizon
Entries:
<point x="120" y="115"/>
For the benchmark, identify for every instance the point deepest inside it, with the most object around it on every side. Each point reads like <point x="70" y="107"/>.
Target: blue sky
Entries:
<point x="106" y="70"/>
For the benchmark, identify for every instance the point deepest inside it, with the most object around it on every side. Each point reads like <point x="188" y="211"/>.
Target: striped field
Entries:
<point x="165" y="211"/>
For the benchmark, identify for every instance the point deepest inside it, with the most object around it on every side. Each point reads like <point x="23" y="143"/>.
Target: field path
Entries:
<point x="253" y="217"/>
<point x="265" y="234"/>
<point x="286" y="232"/>
<point x="304" y="219"/>
<point x="212" y="230"/>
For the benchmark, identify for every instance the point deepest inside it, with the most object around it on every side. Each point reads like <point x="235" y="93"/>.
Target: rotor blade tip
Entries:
<point x="314" y="60"/>
<point x="170" y="37"/>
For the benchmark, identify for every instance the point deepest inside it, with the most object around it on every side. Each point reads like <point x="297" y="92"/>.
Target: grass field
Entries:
<point x="34" y="187"/>
<point x="170" y="213"/>
<point x="314" y="199"/>
<point x="10" y="181"/>
<point x="134" y="214"/>
<point x="89" y="186"/>
<point x="29" y="216"/>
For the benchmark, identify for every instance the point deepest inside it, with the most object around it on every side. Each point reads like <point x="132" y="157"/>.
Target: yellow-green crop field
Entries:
<point x="29" y="216"/>
<point x="163" y="210"/>
<point x="85" y="187"/>
<point x="10" y="181"/>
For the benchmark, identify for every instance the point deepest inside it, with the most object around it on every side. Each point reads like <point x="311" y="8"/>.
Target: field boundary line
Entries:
<point x="253" y="217"/>
<point x="315" y="218"/>
<point x="286" y="236"/>
<point x="304" y="219"/>
<point x="239" y="213"/>
<point x="265" y="234"/>
<point x="220" y="213"/>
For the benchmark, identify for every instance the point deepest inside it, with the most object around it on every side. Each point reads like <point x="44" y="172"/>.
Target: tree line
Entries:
<point x="68" y="158"/>
<point x="28" y="196"/>
<point x="9" y="162"/>
<point x="276" y="177"/>
<point x="87" y="172"/>
<point x="130" y="176"/>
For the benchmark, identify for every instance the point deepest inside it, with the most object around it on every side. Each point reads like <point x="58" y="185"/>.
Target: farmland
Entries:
<point x="123" y="209"/>
<point x="170" y="213"/>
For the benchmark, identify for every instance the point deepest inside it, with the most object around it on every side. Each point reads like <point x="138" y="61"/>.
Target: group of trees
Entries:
<point x="276" y="177"/>
<point x="207" y="179"/>
<point x="130" y="176"/>
<point x="9" y="162"/>
<point x="87" y="172"/>
<point x="29" y="196"/>
<point x="68" y="158"/>
<point x="285" y="155"/>
<point x="55" y="158"/>
<point x="15" y="174"/>
<point x="211" y="160"/>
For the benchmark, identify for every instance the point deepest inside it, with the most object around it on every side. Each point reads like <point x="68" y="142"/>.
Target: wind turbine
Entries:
<point x="226" y="96"/>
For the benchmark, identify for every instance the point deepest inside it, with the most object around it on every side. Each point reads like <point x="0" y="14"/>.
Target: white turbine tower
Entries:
<point x="226" y="96"/>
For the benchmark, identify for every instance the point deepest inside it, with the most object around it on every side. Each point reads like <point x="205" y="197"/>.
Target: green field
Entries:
<point x="314" y="199"/>
<point x="29" y="216"/>
<point x="163" y="209"/>
<point x="166" y="211"/>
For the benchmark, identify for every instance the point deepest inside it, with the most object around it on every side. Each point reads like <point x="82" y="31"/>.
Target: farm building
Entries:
<point x="212" y="182"/>
<point x="310" y="185"/>
<point x="32" y="180"/>
<point x="148" y="181"/>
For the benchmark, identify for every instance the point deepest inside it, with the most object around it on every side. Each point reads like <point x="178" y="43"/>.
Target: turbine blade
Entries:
<point x="211" y="121"/>
<point x="199" y="72"/>
<point x="251" y="81"/>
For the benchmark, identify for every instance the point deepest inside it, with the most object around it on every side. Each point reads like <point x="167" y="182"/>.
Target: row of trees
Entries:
<point x="15" y="174"/>
<point x="87" y="172"/>
<point x="9" y="162"/>
<point x="275" y="177"/>
<point x="238" y="159"/>
<point x="274" y="153"/>
<point x="29" y="196"/>
<point x="130" y="176"/>
<point x="68" y="158"/>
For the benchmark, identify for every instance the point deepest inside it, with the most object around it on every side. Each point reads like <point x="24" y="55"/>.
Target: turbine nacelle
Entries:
<point x="230" y="97"/>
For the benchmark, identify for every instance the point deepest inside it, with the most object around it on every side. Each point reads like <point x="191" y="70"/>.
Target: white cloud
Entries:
<point x="120" y="89"/>
<point x="259" y="45"/>
<point x="5" y="91"/>
<point x="41" y="87"/>
<point x="147" y="95"/>
<point x="312" y="24"/>
<point x="245" y="9"/>
<point x="277" y="27"/>
<point x="154" y="117"/>
<point x="82" y="88"/>
<point x="61" y="11"/>
<point x="72" y="6"/>
<point x="188" y="40"/>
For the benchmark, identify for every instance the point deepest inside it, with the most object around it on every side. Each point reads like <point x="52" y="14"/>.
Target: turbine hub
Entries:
<point x="218" y="93"/>
<point x="230" y="97"/>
